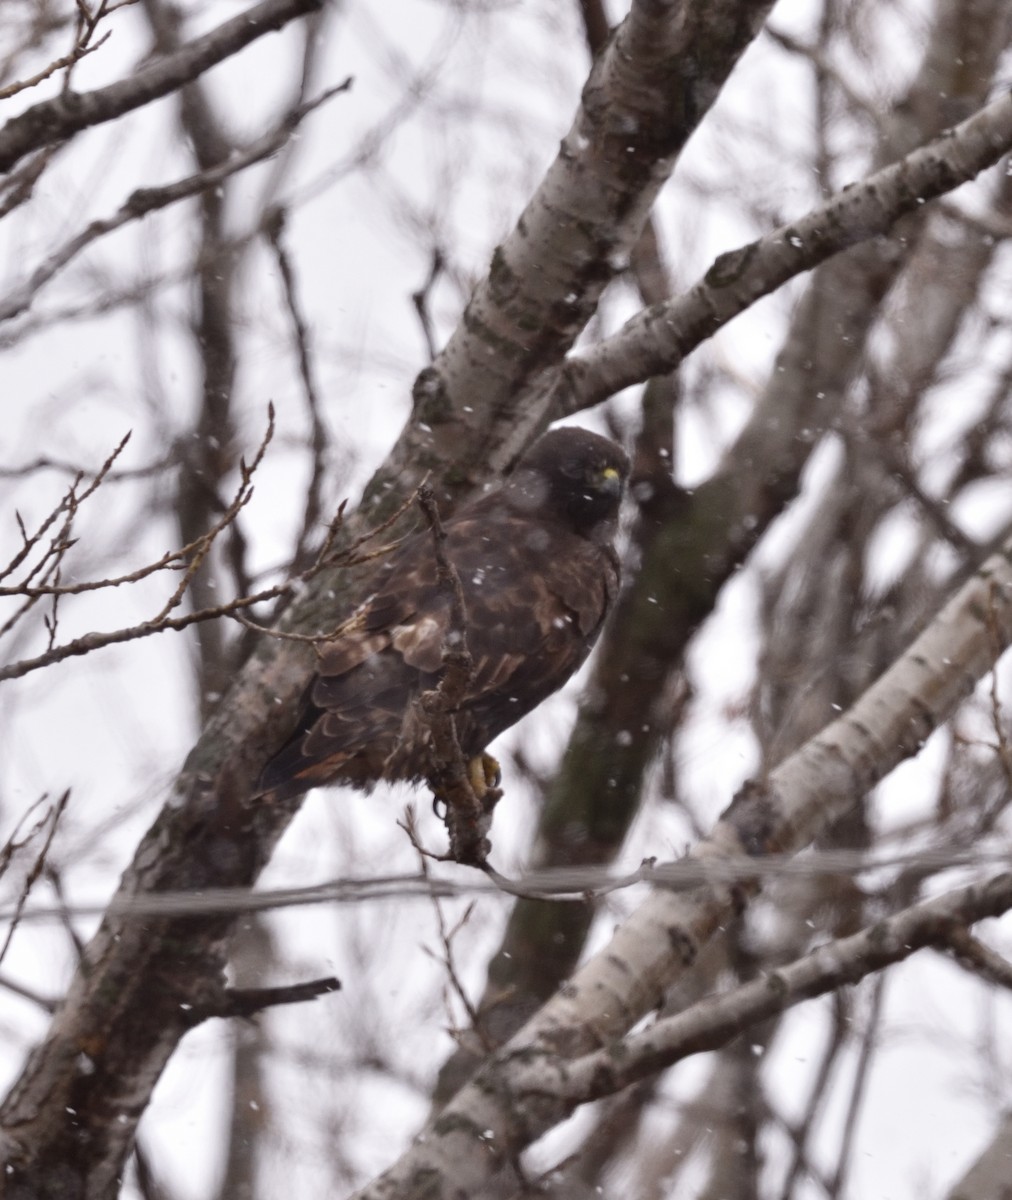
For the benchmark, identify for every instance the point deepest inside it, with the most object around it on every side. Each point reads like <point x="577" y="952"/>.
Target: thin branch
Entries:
<point x="858" y="1090"/>
<point x="61" y="543"/>
<point x="820" y="60"/>
<point x="143" y="201"/>
<point x="70" y="502"/>
<point x="195" y="553"/>
<point x="800" y="1131"/>
<point x="45" y="463"/>
<point x="18" y="186"/>
<point x="446" y="938"/>
<point x="273" y="225"/>
<point x="55" y="880"/>
<point x="88" y="21"/>
<point x="243" y="495"/>
<point x="973" y="955"/>
<point x="420" y="300"/>
<point x="560" y="884"/>
<point x="46" y="1003"/>
<point x="89" y="642"/>
<point x="13" y="845"/>
<point x="66" y="115"/>
<point x="67" y="60"/>
<point x="52" y="818"/>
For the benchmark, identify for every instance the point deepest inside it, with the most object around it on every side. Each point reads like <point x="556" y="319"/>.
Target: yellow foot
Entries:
<point x="484" y="774"/>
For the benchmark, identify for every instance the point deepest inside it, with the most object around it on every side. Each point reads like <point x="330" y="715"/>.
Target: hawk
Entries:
<point x="538" y="572"/>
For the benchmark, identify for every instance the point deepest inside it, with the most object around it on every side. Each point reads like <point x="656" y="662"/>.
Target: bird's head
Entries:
<point x="574" y="475"/>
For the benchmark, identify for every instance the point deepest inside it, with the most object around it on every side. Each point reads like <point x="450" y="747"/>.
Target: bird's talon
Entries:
<point x="493" y="772"/>
<point x="484" y="774"/>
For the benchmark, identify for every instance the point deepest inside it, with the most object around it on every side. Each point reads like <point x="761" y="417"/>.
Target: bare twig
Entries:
<point x="858" y="1089"/>
<point x="273" y="225"/>
<point x="185" y="560"/>
<point x="420" y="299"/>
<point x="20" y="184"/>
<point x="973" y="955"/>
<point x="52" y="619"/>
<point x="800" y="1131"/>
<point x="147" y="200"/>
<point x="447" y="935"/>
<point x="896" y="462"/>
<point x="13" y="844"/>
<point x="46" y="463"/>
<point x="48" y="565"/>
<point x="1003" y="748"/>
<point x="22" y="85"/>
<point x="243" y="495"/>
<point x="188" y="560"/>
<point x="856" y="102"/>
<point x="52" y="818"/>
<point x="55" y="880"/>
<point x="46" y="1003"/>
<point x="88" y="21"/>
<point x="70" y="501"/>
<point x="67" y="60"/>
<point x="90" y="642"/>
<point x="64" y="116"/>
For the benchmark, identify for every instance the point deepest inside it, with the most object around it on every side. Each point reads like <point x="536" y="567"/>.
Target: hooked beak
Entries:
<point x="611" y="482"/>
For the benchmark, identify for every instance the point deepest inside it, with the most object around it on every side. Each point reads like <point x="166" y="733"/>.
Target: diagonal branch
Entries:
<point x="656" y="340"/>
<point x="713" y="1021"/>
<point x="972" y="954"/>
<point x="67" y="114"/>
<point x="647" y="92"/>
<point x="148" y="200"/>
<point x="52" y="818"/>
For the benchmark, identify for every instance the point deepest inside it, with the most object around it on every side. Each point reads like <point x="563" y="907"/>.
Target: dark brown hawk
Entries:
<point x="538" y="571"/>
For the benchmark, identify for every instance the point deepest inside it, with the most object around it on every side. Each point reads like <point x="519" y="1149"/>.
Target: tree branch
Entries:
<point x="147" y="200"/>
<point x="247" y="1002"/>
<point x="66" y="115"/>
<point x="713" y="1021"/>
<point x="656" y="340"/>
<point x="647" y="92"/>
